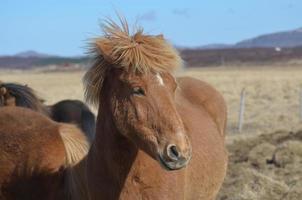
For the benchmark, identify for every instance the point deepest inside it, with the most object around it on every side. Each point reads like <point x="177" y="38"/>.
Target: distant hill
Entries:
<point x="283" y="39"/>
<point x="28" y="61"/>
<point x="241" y="56"/>
<point x="279" y="39"/>
<point x="261" y="49"/>
<point x="192" y="58"/>
<point x="30" y="53"/>
<point x="216" y="46"/>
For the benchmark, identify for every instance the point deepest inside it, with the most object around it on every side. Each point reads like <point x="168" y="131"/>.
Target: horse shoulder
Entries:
<point x="200" y="93"/>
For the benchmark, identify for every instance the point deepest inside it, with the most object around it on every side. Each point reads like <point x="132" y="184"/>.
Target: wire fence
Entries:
<point x="242" y="125"/>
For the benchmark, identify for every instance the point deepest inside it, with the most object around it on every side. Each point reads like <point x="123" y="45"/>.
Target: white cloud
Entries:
<point x="148" y="16"/>
<point x="182" y="12"/>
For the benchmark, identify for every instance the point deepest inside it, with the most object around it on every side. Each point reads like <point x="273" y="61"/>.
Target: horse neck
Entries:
<point x="76" y="181"/>
<point x="112" y="154"/>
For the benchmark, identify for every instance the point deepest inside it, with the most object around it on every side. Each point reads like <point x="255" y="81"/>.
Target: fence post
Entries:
<point x="222" y="61"/>
<point x="241" y="110"/>
<point x="300" y="105"/>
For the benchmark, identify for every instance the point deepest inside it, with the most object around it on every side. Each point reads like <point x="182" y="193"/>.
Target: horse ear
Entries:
<point x="3" y="91"/>
<point x="160" y="36"/>
<point x="42" y="100"/>
<point x="105" y="49"/>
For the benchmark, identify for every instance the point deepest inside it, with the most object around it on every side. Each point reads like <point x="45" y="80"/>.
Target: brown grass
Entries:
<point x="263" y="167"/>
<point x="272" y="95"/>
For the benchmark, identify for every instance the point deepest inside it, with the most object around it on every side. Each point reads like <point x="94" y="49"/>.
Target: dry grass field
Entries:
<point x="265" y="159"/>
<point x="272" y="94"/>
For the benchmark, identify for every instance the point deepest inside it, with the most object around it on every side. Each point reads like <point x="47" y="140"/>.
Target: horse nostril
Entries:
<point x="173" y="152"/>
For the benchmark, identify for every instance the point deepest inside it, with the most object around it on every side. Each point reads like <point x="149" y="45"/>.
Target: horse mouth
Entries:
<point x="173" y="165"/>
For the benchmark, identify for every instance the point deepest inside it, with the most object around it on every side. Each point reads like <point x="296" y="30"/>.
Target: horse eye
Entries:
<point x="138" y="91"/>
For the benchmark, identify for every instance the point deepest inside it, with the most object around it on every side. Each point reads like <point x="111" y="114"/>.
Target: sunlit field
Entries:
<point x="265" y="158"/>
<point x="272" y="94"/>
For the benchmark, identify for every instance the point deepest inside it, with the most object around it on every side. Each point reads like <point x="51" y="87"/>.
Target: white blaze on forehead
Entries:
<point x="160" y="79"/>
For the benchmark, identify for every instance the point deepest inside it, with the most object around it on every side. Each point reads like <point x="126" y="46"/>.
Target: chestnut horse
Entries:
<point x="67" y="111"/>
<point x="35" y="158"/>
<point x="157" y="137"/>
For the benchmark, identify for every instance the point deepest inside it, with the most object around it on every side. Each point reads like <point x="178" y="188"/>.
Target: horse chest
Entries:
<point x="147" y="180"/>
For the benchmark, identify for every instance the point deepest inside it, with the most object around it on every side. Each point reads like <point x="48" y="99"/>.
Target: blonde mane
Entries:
<point x="136" y="52"/>
<point x="75" y="142"/>
<point x="76" y="147"/>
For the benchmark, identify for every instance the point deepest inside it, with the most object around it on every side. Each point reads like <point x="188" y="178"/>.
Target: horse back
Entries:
<point x="32" y="155"/>
<point x="75" y="111"/>
<point x="201" y="95"/>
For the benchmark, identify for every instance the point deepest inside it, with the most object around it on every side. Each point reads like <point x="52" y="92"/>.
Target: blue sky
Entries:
<point x="62" y="27"/>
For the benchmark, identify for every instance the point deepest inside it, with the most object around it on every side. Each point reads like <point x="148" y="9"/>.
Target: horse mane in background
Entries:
<point x="74" y="111"/>
<point x="20" y="95"/>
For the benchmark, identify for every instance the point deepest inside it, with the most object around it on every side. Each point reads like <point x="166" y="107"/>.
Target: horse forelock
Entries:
<point x="118" y="48"/>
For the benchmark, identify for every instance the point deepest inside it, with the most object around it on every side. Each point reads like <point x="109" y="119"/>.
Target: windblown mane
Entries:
<point x="136" y="52"/>
<point x="75" y="142"/>
<point x="23" y="96"/>
<point x="76" y="147"/>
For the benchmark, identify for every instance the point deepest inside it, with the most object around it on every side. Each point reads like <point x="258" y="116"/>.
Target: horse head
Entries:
<point x="132" y="82"/>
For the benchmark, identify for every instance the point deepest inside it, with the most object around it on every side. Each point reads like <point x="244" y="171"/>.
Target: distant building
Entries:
<point x="278" y="49"/>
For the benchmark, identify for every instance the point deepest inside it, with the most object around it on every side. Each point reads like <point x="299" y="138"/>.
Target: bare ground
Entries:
<point x="265" y="167"/>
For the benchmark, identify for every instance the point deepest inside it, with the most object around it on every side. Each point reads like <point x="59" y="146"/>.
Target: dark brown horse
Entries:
<point x="76" y="112"/>
<point x="67" y="111"/>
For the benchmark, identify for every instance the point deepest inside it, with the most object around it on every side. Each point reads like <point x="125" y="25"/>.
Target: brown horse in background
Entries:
<point x="35" y="162"/>
<point x="67" y="111"/>
<point x="150" y="125"/>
